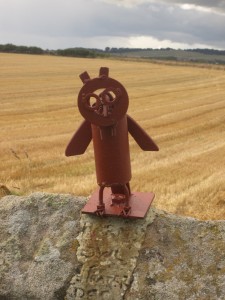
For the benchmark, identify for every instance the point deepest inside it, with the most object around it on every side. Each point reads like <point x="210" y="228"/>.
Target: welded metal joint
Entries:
<point x="103" y="103"/>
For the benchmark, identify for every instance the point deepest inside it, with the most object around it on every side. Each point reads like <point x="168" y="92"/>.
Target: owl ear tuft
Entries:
<point x="104" y="72"/>
<point x="85" y="77"/>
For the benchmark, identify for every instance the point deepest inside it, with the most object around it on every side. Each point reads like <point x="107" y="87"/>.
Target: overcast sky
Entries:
<point x="61" y="24"/>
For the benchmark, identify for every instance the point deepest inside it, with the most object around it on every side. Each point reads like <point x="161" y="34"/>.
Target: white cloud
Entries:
<point x="195" y="7"/>
<point x="151" y="42"/>
<point x="203" y="9"/>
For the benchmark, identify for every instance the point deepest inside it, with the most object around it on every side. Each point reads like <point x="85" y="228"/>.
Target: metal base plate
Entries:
<point x="139" y="203"/>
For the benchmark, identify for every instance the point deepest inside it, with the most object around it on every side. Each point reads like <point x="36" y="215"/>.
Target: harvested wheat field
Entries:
<point x="181" y="107"/>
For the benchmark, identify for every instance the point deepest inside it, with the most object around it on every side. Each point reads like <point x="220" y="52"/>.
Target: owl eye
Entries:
<point x="111" y="95"/>
<point x="91" y="101"/>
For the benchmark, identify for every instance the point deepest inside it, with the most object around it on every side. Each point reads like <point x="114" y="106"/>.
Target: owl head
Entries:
<point x="102" y="101"/>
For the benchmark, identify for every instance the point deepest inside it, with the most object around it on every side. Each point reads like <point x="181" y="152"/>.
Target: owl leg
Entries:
<point x="101" y="206"/>
<point x="128" y="186"/>
<point x="127" y="208"/>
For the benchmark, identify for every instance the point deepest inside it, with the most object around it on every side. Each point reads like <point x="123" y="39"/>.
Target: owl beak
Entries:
<point x="106" y="101"/>
<point x="105" y="110"/>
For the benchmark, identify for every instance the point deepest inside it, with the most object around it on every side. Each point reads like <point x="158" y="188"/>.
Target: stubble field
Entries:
<point x="181" y="107"/>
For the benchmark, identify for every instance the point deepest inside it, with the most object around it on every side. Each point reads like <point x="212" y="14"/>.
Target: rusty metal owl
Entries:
<point x="103" y="103"/>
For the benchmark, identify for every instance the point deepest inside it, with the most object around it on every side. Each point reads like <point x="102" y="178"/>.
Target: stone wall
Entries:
<point x="48" y="250"/>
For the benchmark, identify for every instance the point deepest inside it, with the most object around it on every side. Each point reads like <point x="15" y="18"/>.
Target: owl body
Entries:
<point x="112" y="155"/>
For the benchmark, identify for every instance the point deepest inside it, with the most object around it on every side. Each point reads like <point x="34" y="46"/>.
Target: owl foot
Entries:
<point x="100" y="210"/>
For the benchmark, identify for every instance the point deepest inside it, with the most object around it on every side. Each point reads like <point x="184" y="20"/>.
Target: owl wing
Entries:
<point x="80" y="140"/>
<point x="140" y="136"/>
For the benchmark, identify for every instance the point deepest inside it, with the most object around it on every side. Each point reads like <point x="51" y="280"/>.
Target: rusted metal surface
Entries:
<point x="139" y="203"/>
<point x="103" y="102"/>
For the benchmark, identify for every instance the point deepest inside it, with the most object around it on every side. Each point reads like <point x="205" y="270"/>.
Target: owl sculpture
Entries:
<point x="103" y="103"/>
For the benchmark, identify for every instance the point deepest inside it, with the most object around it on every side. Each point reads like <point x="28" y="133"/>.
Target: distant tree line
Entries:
<point x="72" y="52"/>
<point x="208" y="51"/>
<point x="10" y="48"/>
<point x="79" y="52"/>
<point x="125" y="50"/>
<point x="168" y="53"/>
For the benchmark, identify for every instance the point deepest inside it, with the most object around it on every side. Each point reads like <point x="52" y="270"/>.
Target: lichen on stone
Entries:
<point x="108" y="250"/>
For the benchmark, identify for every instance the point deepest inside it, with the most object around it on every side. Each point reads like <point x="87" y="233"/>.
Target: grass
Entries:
<point x="181" y="107"/>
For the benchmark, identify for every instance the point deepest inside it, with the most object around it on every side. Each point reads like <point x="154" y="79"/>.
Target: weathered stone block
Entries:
<point x="49" y="251"/>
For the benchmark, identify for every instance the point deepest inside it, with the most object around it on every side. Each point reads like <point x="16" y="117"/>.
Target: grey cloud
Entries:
<point x="83" y="19"/>
<point x="159" y="21"/>
<point x="216" y="4"/>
